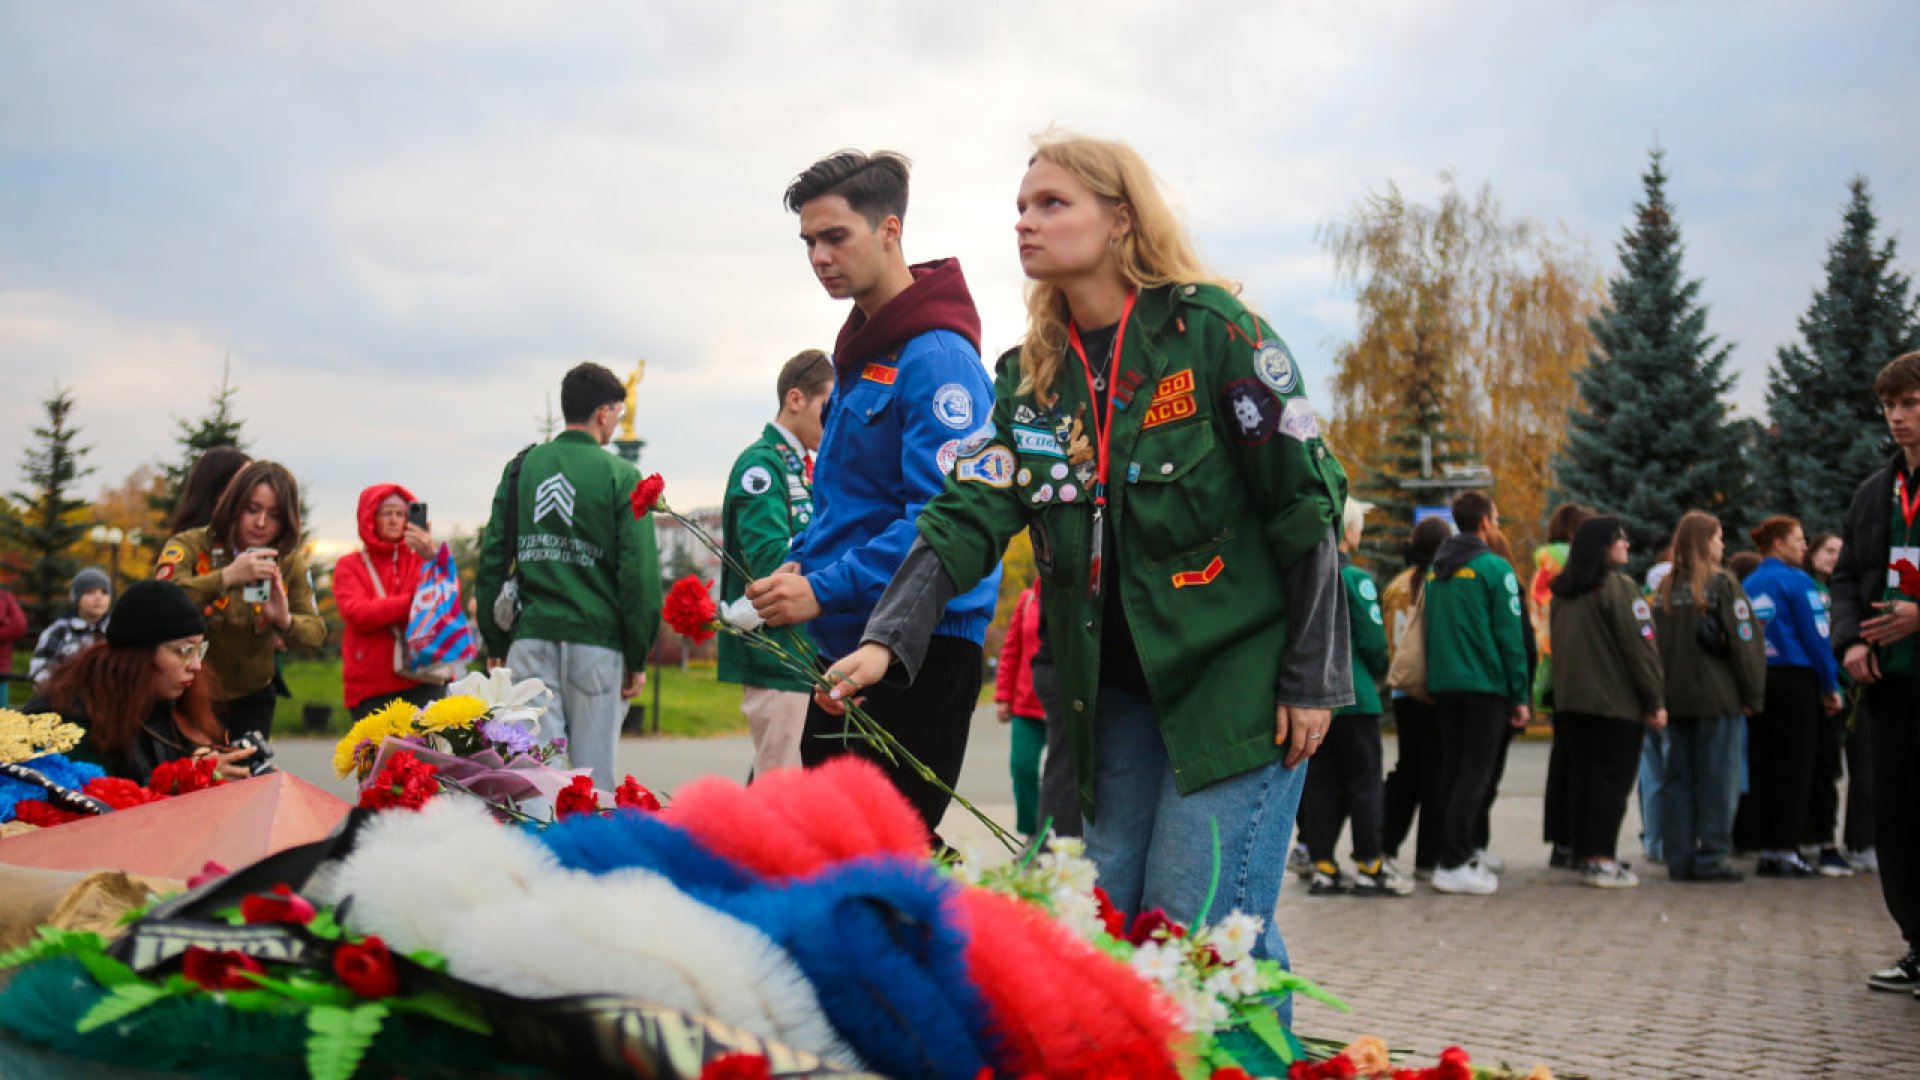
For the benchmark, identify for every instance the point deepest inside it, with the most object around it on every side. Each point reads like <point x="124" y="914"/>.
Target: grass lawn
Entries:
<point x="692" y="703"/>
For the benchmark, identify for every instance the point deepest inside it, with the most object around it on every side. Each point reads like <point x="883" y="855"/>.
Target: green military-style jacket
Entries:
<point x="768" y="500"/>
<point x="1699" y="684"/>
<point x="1368" y="629"/>
<point x="1605" y="660"/>
<point x="1476" y="643"/>
<point x="1219" y="480"/>
<point x="589" y="571"/>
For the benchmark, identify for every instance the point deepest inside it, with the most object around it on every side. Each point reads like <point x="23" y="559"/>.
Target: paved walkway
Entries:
<point x="1763" y="978"/>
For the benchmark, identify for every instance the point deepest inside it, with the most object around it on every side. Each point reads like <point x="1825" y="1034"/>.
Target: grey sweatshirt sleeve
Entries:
<point x="1317" y="670"/>
<point x="911" y="607"/>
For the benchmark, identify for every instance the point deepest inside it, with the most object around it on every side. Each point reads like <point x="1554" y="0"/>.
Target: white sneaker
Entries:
<point x="1467" y="879"/>
<point x="1491" y="861"/>
<point x="1608" y="875"/>
<point x="1865" y="859"/>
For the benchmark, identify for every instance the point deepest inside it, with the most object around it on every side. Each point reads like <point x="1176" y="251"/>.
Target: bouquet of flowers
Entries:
<point x="40" y="785"/>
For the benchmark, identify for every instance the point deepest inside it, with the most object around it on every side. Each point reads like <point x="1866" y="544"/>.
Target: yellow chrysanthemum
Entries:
<point x="395" y="718"/>
<point x="24" y="737"/>
<point x="461" y="710"/>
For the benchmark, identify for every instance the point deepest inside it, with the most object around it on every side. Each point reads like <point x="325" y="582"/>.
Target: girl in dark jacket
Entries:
<point x="1606" y="684"/>
<point x="141" y="695"/>
<point x="1715" y="678"/>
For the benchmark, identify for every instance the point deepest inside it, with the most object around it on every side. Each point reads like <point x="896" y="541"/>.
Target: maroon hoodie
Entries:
<point x="937" y="300"/>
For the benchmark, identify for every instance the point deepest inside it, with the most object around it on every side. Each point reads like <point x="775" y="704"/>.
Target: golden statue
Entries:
<point x="633" y="400"/>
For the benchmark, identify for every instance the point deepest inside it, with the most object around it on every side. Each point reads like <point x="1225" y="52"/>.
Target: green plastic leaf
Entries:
<point x="232" y="915"/>
<point x="256" y="1001"/>
<point x="428" y="959"/>
<point x="445" y="1009"/>
<point x="51" y="942"/>
<point x="1281" y="981"/>
<point x="125" y="1000"/>
<point x="338" y="1038"/>
<point x="1266" y="1026"/>
<point x="306" y="991"/>
<point x="107" y="971"/>
<point x="324" y="925"/>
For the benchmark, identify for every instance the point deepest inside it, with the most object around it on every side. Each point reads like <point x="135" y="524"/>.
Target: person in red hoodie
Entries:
<point x="373" y="588"/>
<point x="1016" y="703"/>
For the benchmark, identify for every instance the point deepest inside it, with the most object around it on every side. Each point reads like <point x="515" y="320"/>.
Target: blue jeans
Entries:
<point x="1653" y="772"/>
<point x="1153" y="845"/>
<point x="1699" y="793"/>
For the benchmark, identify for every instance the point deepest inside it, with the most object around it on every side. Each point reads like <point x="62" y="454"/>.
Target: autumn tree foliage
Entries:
<point x="1471" y="327"/>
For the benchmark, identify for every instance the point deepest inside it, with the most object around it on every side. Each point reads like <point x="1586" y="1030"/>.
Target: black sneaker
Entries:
<point x="1382" y="880"/>
<point x="1327" y="880"/>
<point x="1903" y="975"/>
<point x="1792" y="867"/>
<point x="1561" y="859"/>
<point x="1834" y="864"/>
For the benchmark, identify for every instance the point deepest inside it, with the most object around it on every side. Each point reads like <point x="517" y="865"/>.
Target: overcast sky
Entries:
<point x="403" y="222"/>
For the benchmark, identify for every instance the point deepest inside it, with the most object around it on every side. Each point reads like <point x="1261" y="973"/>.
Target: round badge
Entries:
<point x="756" y="481"/>
<point x="1068" y="493"/>
<point x="1024" y="477"/>
<point x="948" y="453"/>
<point x="1274" y="366"/>
<point x="1044" y="493"/>
<point x="953" y="406"/>
<point x="1059" y="471"/>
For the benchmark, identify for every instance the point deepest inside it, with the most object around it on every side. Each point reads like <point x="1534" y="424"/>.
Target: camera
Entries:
<point x="262" y="759"/>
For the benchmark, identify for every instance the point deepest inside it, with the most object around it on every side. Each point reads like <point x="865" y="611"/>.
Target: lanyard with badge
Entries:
<point x="1105" y="438"/>
<point x="1910" y="552"/>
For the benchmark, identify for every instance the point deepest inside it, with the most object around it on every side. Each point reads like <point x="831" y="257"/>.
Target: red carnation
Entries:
<point x="367" y="968"/>
<point x="1909" y="577"/>
<point x="1111" y="918"/>
<point x="1151" y="923"/>
<point x="184" y="775"/>
<point x="1337" y="1067"/>
<point x="737" y="1065"/>
<point x="405" y="782"/>
<point x="282" y="905"/>
<point x="119" y="793"/>
<point x="42" y="813"/>
<point x="646" y="494"/>
<point x="208" y="872"/>
<point x="578" y="797"/>
<point x="226" y="969"/>
<point x="690" y="609"/>
<point x="631" y="796"/>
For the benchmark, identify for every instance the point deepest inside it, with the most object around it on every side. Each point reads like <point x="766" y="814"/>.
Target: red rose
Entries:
<point x="690" y="609"/>
<point x="1909" y="577"/>
<point x="223" y="970"/>
<point x="119" y="793"/>
<point x="631" y="796"/>
<point x="209" y="872"/>
<point x="405" y="783"/>
<point x="367" y="968"/>
<point x="42" y="813"/>
<point x="578" y="797"/>
<point x="738" y="1065"/>
<point x="1151" y="923"/>
<point x="1111" y="918"/>
<point x="184" y="775"/>
<point x="282" y="905"/>
<point x="647" y="493"/>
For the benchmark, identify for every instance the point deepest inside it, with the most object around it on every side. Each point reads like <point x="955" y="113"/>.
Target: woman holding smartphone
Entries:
<point x="246" y="573"/>
<point x="1153" y="436"/>
<point x="373" y="588"/>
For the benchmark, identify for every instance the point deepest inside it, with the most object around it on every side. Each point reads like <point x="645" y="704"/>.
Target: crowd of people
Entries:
<point x="1197" y="632"/>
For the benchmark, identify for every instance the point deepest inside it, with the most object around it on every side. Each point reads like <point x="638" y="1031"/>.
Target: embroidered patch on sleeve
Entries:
<point x="953" y="406"/>
<point x="994" y="468"/>
<point x="880" y="373"/>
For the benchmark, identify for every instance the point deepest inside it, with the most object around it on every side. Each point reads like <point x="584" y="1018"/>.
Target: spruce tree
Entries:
<point x="46" y="521"/>
<point x="1653" y="437"/>
<point x="1422" y="439"/>
<point x="219" y="427"/>
<point x="1828" y="432"/>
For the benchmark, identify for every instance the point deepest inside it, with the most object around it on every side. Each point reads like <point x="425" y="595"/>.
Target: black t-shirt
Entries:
<point x="1119" y="660"/>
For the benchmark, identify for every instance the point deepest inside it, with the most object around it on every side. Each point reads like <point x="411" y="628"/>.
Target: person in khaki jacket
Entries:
<point x="1716" y="663"/>
<point x="246" y="572"/>
<point x="1607" y="682"/>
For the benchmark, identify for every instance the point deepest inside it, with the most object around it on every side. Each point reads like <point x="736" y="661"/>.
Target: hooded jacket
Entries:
<point x="371" y="615"/>
<point x="909" y="389"/>
<point x="1476" y="640"/>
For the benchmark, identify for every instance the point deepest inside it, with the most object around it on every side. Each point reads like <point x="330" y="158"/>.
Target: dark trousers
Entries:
<point x="929" y="718"/>
<point x="1603" y="757"/>
<point x="1892" y="706"/>
<point x="420" y="696"/>
<point x="1059" y="787"/>
<point x="1344" y="783"/>
<point x="1860" y="835"/>
<point x="1781" y="742"/>
<point x="1483" y="825"/>
<point x="1554" y="815"/>
<point x="251" y="712"/>
<point x="1415" y="783"/>
<point x="1823" y="799"/>
<point x="1470" y="740"/>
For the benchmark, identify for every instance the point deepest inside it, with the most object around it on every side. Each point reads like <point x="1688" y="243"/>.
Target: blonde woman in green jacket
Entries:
<point x="1717" y="676"/>
<point x="1607" y="684"/>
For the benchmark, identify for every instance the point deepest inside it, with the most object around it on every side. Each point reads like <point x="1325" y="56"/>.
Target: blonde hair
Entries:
<point x="1691" y="566"/>
<point x="1155" y="251"/>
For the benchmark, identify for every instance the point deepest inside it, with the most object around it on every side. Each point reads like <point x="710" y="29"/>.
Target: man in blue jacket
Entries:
<point x="909" y="393"/>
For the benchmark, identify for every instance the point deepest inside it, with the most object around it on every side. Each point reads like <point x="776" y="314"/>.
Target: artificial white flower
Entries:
<point x="1246" y="978"/>
<point x="741" y="615"/>
<point x="1234" y="936"/>
<point x="1070" y="847"/>
<point x="507" y="701"/>
<point x="1157" y="965"/>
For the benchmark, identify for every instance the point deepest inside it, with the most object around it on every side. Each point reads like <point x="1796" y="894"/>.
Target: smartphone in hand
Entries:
<point x="417" y="514"/>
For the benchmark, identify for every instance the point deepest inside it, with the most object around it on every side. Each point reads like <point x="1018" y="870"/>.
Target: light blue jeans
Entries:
<point x="1153" y="845"/>
<point x="1653" y="774"/>
<point x="1699" y="793"/>
<point x="582" y="700"/>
